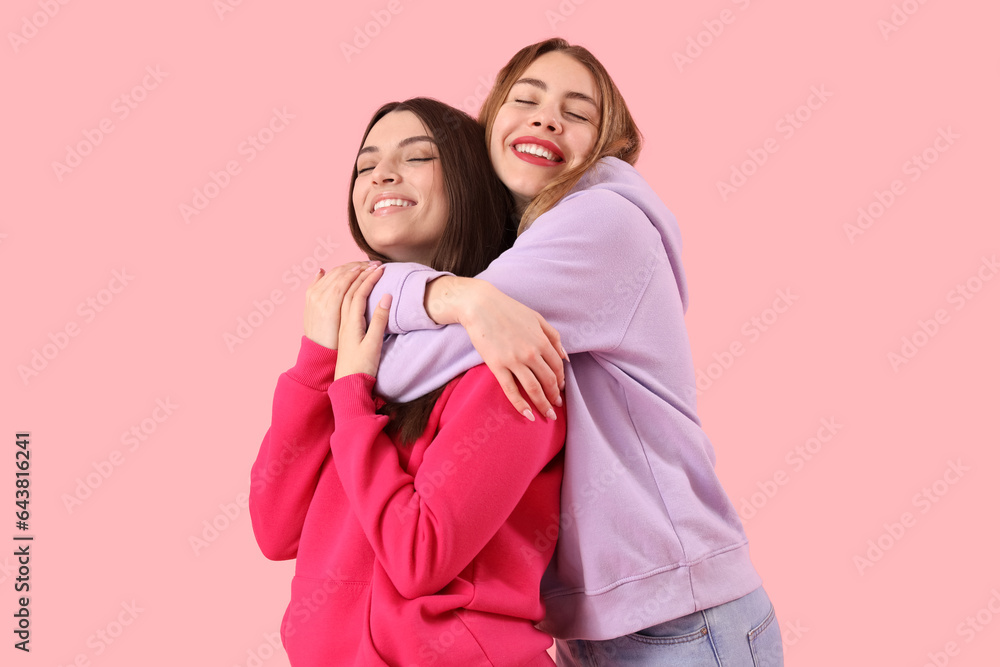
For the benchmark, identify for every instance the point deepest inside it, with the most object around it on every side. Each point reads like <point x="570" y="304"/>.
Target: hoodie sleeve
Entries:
<point x="284" y="476"/>
<point x="427" y="527"/>
<point x="584" y="266"/>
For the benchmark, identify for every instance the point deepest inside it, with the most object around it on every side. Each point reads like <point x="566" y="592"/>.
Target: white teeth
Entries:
<point x="535" y="149"/>
<point x="391" y="202"/>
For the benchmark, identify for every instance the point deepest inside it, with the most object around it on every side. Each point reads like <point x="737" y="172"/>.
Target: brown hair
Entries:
<point x="477" y="230"/>
<point x="617" y="134"/>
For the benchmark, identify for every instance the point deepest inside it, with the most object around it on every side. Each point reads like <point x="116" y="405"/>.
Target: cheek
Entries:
<point x="501" y="128"/>
<point x="358" y="199"/>
<point x="586" y="144"/>
<point x="496" y="148"/>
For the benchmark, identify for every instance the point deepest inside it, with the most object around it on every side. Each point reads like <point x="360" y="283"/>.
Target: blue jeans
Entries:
<point x="741" y="633"/>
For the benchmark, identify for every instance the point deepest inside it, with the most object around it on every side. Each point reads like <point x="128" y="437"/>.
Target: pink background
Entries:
<point x="162" y="335"/>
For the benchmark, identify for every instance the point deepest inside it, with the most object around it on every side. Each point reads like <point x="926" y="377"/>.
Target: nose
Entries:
<point x="546" y="116"/>
<point x="384" y="172"/>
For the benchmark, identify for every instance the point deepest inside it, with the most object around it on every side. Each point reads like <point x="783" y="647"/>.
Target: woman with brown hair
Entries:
<point x="412" y="524"/>
<point x="652" y="565"/>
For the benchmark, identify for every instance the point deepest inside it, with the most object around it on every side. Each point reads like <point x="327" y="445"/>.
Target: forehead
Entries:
<point x="562" y="73"/>
<point x="393" y="128"/>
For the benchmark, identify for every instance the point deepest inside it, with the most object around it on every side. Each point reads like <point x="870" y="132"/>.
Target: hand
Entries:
<point x="361" y="350"/>
<point x="324" y="298"/>
<point x="513" y="340"/>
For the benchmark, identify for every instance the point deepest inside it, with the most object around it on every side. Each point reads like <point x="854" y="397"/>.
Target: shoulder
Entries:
<point x="609" y="196"/>
<point x="478" y="383"/>
<point x="593" y="223"/>
<point x="476" y="399"/>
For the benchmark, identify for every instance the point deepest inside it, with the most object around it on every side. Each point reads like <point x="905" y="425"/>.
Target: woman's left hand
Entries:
<point x="359" y="350"/>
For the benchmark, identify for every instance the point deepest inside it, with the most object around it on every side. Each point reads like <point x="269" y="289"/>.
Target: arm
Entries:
<point x="426" y="528"/>
<point x="583" y="266"/>
<point x="283" y="478"/>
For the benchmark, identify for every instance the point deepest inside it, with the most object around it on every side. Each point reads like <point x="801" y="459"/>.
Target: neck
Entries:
<point x="520" y="204"/>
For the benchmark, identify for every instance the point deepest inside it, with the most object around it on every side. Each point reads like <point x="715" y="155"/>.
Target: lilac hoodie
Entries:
<point x="646" y="531"/>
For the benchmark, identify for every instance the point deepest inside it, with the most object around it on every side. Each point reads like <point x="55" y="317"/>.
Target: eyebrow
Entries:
<point x="573" y="95"/>
<point x="402" y="144"/>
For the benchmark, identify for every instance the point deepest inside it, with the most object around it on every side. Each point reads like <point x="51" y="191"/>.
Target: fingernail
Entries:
<point x="551" y="414"/>
<point x="564" y="353"/>
<point x="385" y="301"/>
<point x="527" y="413"/>
<point x="370" y="267"/>
<point x="558" y="401"/>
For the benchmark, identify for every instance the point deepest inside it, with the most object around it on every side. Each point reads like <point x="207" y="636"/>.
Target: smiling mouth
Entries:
<point x="385" y="203"/>
<point x="537" y="151"/>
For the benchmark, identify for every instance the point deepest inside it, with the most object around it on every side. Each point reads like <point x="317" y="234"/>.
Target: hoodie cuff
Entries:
<point x="406" y="282"/>
<point x="351" y="397"/>
<point x="315" y="366"/>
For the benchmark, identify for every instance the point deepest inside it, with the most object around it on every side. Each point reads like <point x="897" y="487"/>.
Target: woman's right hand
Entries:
<point x="324" y="298"/>
<point x="514" y="341"/>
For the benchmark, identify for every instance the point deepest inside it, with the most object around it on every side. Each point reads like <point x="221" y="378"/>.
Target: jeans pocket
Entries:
<point x="683" y="630"/>
<point x="681" y="643"/>
<point x="686" y="638"/>
<point x="765" y="642"/>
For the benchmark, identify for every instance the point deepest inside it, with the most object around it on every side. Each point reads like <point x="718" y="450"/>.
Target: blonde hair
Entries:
<point x="617" y="134"/>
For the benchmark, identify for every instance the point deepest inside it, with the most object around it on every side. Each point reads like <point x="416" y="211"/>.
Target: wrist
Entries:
<point x="320" y="340"/>
<point x="446" y="299"/>
<point x="351" y="396"/>
<point x="315" y="365"/>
